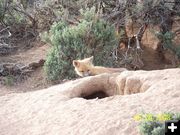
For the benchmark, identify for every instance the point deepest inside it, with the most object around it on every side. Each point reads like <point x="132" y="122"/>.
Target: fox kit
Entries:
<point x="85" y="67"/>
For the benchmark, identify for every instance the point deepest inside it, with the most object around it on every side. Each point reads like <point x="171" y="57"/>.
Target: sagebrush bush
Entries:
<point x="92" y="36"/>
<point x="167" y="40"/>
<point x="147" y="127"/>
<point x="151" y="124"/>
<point x="159" y="130"/>
<point x="9" y="80"/>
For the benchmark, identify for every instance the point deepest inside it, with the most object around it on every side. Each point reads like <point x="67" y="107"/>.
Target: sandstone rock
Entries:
<point x="61" y="110"/>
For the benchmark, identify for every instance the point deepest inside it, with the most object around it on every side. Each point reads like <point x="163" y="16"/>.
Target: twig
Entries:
<point x="4" y="29"/>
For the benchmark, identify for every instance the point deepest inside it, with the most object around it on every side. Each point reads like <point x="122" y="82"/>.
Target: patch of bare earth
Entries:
<point x="37" y="79"/>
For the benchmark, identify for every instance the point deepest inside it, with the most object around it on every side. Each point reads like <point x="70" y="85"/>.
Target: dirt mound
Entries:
<point x="57" y="110"/>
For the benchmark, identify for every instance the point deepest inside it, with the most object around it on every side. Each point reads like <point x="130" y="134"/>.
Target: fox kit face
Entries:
<point x="82" y="67"/>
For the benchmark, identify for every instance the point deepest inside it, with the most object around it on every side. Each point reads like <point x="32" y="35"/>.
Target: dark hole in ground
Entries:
<point x="99" y="94"/>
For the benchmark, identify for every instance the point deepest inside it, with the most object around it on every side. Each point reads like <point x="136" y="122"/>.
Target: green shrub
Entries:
<point x="9" y="80"/>
<point x="92" y="36"/>
<point x="8" y="13"/>
<point x="176" y="116"/>
<point x="167" y="40"/>
<point x="147" y="127"/>
<point x="151" y="124"/>
<point x="159" y="130"/>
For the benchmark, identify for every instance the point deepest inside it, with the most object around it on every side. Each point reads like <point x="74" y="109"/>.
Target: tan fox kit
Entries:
<point x="85" y="67"/>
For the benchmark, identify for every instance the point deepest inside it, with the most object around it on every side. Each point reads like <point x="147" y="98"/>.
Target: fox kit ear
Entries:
<point x="75" y="63"/>
<point x="91" y="59"/>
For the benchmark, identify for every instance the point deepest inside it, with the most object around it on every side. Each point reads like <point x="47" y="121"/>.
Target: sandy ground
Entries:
<point x="51" y="112"/>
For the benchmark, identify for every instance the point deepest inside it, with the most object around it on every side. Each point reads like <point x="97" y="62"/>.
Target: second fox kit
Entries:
<point x="85" y="67"/>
